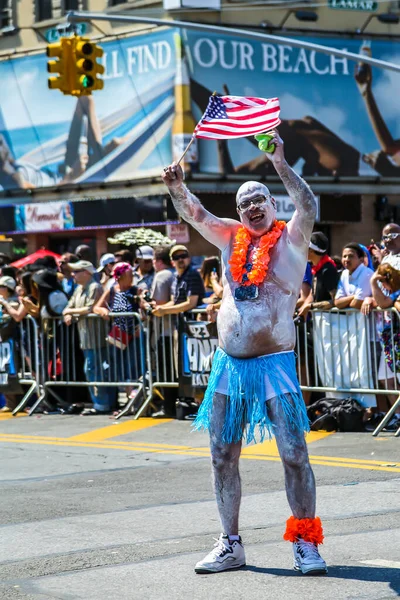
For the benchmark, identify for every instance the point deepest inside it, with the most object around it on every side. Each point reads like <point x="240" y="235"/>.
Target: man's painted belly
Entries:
<point x="254" y="328"/>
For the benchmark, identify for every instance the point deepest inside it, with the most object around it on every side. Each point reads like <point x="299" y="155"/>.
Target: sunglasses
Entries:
<point x="180" y="256"/>
<point x="390" y="236"/>
<point x="255" y="201"/>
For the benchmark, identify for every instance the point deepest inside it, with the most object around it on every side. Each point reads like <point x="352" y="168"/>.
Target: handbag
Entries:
<point x="118" y="337"/>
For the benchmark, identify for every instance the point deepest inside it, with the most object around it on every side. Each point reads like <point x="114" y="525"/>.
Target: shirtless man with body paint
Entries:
<point x="254" y="380"/>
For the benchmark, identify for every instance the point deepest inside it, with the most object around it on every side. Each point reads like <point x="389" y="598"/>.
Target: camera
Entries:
<point x="147" y="298"/>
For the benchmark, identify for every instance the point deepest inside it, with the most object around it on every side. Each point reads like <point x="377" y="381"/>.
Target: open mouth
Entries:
<point x="256" y="218"/>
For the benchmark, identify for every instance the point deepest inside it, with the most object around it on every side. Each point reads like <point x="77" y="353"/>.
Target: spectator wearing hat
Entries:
<point x="51" y="297"/>
<point x="107" y="262"/>
<point x="125" y="335"/>
<point x="19" y="309"/>
<point x="188" y="288"/>
<point x="144" y="272"/>
<point x="325" y="275"/>
<point x="91" y="334"/>
<point x="8" y="301"/>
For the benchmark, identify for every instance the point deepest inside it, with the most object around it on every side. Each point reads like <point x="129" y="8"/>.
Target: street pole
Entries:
<point x="79" y="16"/>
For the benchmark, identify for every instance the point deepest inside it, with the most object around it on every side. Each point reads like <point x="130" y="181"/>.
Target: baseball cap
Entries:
<point x="176" y="249"/>
<point x="145" y="253"/>
<point x="8" y="282"/>
<point x="106" y="259"/>
<point x="82" y="265"/>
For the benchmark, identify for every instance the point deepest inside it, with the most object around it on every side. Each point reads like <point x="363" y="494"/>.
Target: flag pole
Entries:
<point x="191" y="141"/>
<point x="186" y="149"/>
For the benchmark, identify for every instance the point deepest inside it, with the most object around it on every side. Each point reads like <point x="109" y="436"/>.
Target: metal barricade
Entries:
<point x="341" y="352"/>
<point x="26" y="340"/>
<point x="165" y="348"/>
<point x="161" y="357"/>
<point x="91" y="352"/>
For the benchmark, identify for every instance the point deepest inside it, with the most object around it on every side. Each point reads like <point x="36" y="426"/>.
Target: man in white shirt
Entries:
<point x="354" y="284"/>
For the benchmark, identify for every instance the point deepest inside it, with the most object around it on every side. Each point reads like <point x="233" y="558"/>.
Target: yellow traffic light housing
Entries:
<point x="56" y="66"/>
<point x="76" y="65"/>
<point x="87" y="67"/>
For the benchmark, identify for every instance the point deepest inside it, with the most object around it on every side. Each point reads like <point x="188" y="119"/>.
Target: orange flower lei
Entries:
<point x="261" y="258"/>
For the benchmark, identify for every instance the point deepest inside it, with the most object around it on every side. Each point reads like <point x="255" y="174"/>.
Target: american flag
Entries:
<point x="229" y="117"/>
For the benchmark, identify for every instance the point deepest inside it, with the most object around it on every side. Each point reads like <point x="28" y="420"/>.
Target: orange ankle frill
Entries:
<point x="310" y="530"/>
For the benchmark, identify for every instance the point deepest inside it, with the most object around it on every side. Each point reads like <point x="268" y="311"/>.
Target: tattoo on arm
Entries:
<point x="298" y="190"/>
<point x="186" y="204"/>
<point x="217" y="231"/>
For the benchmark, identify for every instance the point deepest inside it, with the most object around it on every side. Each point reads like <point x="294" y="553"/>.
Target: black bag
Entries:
<point x="186" y="409"/>
<point x="329" y="414"/>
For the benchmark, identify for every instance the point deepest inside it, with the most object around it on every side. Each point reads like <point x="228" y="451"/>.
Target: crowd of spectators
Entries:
<point x="363" y="279"/>
<point x="67" y="296"/>
<point x="162" y="282"/>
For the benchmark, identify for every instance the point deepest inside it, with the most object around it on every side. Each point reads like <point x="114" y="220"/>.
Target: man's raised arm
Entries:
<point x="301" y="225"/>
<point x="217" y="231"/>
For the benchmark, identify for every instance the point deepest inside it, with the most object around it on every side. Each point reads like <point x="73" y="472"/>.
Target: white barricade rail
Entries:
<point x="116" y="349"/>
<point x="340" y="352"/>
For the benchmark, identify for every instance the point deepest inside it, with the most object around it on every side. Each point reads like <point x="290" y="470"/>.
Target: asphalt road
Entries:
<point x="96" y="510"/>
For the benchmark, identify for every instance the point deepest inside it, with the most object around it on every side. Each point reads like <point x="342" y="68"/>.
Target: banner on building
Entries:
<point x="45" y="216"/>
<point x="339" y="118"/>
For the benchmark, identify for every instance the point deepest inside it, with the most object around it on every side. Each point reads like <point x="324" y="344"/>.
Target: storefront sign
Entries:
<point x="178" y="232"/>
<point x="364" y="5"/>
<point x="285" y="207"/>
<point x="46" y="216"/>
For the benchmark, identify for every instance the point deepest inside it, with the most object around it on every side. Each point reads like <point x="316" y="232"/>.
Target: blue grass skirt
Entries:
<point x="246" y="407"/>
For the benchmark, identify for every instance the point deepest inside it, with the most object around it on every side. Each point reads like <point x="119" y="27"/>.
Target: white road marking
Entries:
<point x="390" y="564"/>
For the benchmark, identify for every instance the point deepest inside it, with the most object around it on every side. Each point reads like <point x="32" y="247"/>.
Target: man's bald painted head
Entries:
<point x="256" y="207"/>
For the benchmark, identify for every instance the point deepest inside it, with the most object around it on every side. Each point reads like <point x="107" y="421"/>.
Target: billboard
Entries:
<point x="338" y="118"/>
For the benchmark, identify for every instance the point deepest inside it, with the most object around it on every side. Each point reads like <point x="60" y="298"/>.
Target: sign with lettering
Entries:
<point x="7" y="364"/>
<point x="178" y="232"/>
<point x="285" y="207"/>
<point x="46" y="216"/>
<point x="363" y="5"/>
<point x="198" y="342"/>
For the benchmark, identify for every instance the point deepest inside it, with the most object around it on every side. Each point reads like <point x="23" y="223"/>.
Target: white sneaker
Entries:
<point x="226" y="555"/>
<point x="307" y="559"/>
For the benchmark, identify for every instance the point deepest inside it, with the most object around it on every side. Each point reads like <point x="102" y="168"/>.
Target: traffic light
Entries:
<point x="86" y="67"/>
<point x="76" y="65"/>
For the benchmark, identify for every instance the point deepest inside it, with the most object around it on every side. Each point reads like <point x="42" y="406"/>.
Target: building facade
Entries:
<point x="75" y="170"/>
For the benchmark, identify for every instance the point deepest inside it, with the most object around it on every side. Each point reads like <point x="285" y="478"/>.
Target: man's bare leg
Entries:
<point x="299" y="477"/>
<point x="225" y="465"/>
<point x="303" y="529"/>
<point x="228" y="553"/>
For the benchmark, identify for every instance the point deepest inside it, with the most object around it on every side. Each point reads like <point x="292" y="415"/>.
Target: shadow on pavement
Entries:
<point x="357" y="573"/>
